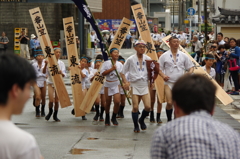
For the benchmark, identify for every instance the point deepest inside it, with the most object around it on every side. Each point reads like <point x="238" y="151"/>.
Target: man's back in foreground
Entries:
<point x="195" y="134"/>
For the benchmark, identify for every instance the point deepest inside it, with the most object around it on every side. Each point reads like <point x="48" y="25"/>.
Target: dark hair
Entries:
<point x="208" y="56"/>
<point x="99" y="56"/>
<point x="14" y="70"/>
<point x="121" y="58"/>
<point x="221" y="34"/>
<point x="221" y="47"/>
<point x="227" y="46"/>
<point x="193" y="93"/>
<point x="172" y="38"/>
<point x="238" y="42"/>
<point x="89" y="59"/>
<point x="38" y="50"/>
<point x="233" y="40"/>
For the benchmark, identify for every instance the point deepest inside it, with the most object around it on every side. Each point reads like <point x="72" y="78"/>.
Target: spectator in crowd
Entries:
<point x="197" y="48"/>
<point x="32" y="45"/>
<point x="195" y="134"/>
<point x="3" y="43"/>
<point x="93" y="38"/>
<point x="220" y="39"/>
<point x="226" y="39"/>
<point x="24" y="52"/>
<point x="15" y="90"/>
<point x="221" y="64"/>
<point x="234" y="54"/>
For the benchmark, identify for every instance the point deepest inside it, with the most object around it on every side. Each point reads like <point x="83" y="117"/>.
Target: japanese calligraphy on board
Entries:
<point x="69" y="30"/>
<point x="121" y="34"/>
<point x="47" y="49"/>
<point x="144" y="31"/>
<point x="98" y="81"/>
<point x="220" y="94"/>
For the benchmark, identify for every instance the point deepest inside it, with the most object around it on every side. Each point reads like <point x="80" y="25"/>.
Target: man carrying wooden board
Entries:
<point x="173" y="64"/>
<point x="220" y="93"/>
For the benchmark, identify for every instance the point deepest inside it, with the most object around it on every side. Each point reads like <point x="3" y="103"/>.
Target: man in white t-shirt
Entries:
<point x="220" y="39"/>
<point x="14" y="92"/>
<point x="93" y="38"/>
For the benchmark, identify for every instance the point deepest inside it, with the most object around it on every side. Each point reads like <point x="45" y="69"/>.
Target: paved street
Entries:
<point x="74" y="138"/>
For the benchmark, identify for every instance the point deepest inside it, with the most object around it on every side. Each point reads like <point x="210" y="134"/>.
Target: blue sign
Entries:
<point x="191" y="11"/>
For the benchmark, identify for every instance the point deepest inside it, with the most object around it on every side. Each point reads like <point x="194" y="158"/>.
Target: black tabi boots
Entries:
<point x="55" y="116"/>
<point x="101" y="114"/>
<point x="152" y="120"/>
<point x="169" y="114"/>
<point x="135" y="122"/>
<point x="120" y="112"/>
<point x="43" y="111"/>
<point x="97" y="113"/>
<point x="37" y="111"/>
<point x="49" y="114"/>
<point x="141" y="119"/>
<point x="107" y="120"/>
<point x="114" y="119"/>
<point x="159" y="121"/>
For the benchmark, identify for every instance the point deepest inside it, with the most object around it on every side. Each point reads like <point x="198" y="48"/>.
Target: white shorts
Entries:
<point x="170" y="84"/>
<point x="113" y="87"/>
<point x="40" y="84"/>
<point x="102" y="90"/>
<point x="121" y="90"/>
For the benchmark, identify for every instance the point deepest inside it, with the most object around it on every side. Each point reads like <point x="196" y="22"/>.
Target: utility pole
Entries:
<point x="173" y="14"/>
<point x="199" y="15"/>
<point x="205" y="22"/>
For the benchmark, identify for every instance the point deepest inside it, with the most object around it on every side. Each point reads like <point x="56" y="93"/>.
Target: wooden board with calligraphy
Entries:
<point x="144" y="31"/>
<point x="42" y="33"/>
<point x="98" y="81"/>
<point x="73" y="61"/>
<point x="220" y="94"/>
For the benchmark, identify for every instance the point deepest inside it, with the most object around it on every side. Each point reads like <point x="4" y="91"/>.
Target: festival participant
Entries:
<point x="112" y="85"/>
<point x="136" y="68"/>
<point x="17" y="76"/>
<point x="84" y="76"/>
<point x="24" y="45"/>
<point x="101" y="96"/>
<point x="153" y="99"/>
<point x="209" y="60"/>
<point x="195" y="134"/>
<point x="173" y="65"/>
<point x="40" y="83"/>
<point x="53" y="97"/>
<point x="87" y="79"/>
<point x="123" y="97"/>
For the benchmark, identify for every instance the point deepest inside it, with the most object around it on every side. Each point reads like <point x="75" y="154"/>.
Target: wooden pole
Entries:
<point x="73" y="60"/>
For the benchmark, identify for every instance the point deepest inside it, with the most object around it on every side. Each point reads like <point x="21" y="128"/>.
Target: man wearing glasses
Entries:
<point x="136" y="68"/>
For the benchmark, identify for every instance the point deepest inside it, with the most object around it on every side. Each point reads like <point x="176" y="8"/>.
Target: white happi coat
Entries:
<point x="137" y="77"/>
<point x="174" y="69"/>
<point x="113" y="87"/>
<point x="212" y="72"/>
<point x="41" y="77"/>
